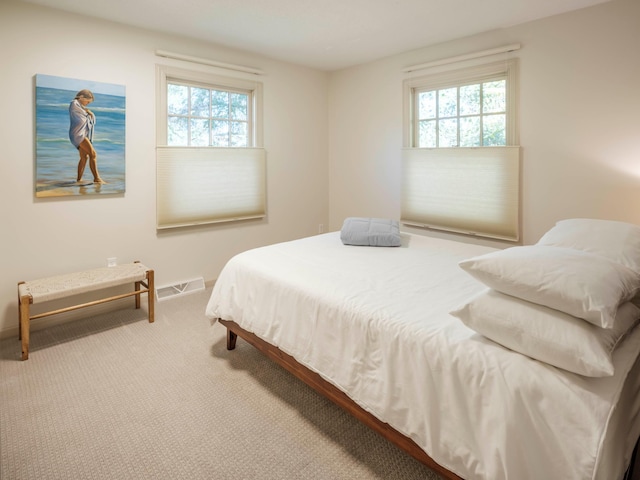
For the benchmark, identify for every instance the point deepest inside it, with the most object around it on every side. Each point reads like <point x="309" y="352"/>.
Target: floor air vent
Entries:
<point x="182" y="288"/>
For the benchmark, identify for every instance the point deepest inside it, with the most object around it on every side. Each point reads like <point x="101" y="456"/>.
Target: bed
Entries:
<point x="406" y="339"/>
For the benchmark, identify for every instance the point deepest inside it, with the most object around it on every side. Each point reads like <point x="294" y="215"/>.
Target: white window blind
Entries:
<point x="208" y="185"/>
<point x="466" y="190"/>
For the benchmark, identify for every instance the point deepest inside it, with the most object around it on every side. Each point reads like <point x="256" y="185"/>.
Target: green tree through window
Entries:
<point x="471" y="115"/>
<point x="203" y="117"/>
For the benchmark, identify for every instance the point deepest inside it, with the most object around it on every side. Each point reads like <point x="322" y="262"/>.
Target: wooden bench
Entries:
<point x="62" y="286"/>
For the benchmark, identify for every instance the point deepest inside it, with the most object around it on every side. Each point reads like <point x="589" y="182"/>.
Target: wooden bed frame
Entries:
<point x="338" y="397"/>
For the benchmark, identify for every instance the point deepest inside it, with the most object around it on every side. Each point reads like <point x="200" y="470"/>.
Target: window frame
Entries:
<point x="168" y="74"/>
<point x="507" y="69"/>
<point x="210" y="118"/>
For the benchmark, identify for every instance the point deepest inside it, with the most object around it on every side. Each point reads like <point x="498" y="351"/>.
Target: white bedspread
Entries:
<point x="375" y="323"/>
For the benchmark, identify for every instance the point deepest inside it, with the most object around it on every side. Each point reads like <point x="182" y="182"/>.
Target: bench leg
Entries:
<point x="23" y="328"/>
<point x="19" y="313"/>
<point x="137" y="297"/>
<point x="151" y="296"/>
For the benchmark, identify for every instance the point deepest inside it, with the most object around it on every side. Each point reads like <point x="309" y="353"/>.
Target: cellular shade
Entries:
<point x="466" y="190"/>
<point x="208" y="185"/>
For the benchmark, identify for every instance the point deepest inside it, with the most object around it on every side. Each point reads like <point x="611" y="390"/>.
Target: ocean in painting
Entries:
<point x="57" y="158"/>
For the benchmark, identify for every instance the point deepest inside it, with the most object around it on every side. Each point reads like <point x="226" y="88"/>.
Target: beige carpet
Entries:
<point x="114" y="397"/>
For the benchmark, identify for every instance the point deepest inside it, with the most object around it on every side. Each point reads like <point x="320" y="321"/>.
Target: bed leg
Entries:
<point x="231" y="340"/>
<point x="633" y="472"/>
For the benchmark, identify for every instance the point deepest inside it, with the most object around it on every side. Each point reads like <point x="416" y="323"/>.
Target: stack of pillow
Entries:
<point x="567" y="301"/>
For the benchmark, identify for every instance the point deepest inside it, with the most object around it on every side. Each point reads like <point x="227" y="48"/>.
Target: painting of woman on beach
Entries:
<point x="71" y="136"/>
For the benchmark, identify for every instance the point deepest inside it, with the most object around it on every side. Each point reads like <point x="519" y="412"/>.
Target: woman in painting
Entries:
<point x="81" y="125"/>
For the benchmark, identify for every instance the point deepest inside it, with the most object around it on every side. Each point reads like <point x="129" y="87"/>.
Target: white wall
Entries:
<point x="579" y="129"/>
<point x="579" y="120"/>
<point x="42" y="237"/>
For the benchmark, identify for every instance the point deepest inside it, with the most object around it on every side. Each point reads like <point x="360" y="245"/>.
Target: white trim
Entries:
<point x="206" y="61"/>
<point x="460" y="58"/>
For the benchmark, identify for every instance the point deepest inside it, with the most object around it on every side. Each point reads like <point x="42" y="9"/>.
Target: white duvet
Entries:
<point x="375" y="322"/>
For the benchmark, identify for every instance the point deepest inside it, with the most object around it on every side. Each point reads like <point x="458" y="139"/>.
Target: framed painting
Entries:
<point x="80" y="137"/>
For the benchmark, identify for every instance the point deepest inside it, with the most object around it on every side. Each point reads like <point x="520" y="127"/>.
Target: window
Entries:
<point x="201" y="116"/>
<point x="461" y="162"/>
<point x="471" y="115"/>
<point x="470" y="107"/>
<point x="209" y="161"/>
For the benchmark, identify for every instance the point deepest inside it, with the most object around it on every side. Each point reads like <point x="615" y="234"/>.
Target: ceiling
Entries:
<point x="323" y="34"/>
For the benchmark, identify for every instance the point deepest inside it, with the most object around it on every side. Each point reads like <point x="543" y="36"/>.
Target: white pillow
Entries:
<point x="548" y="335"/>
<point x="618" y="241"/>
<point x="582" y="284"/>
